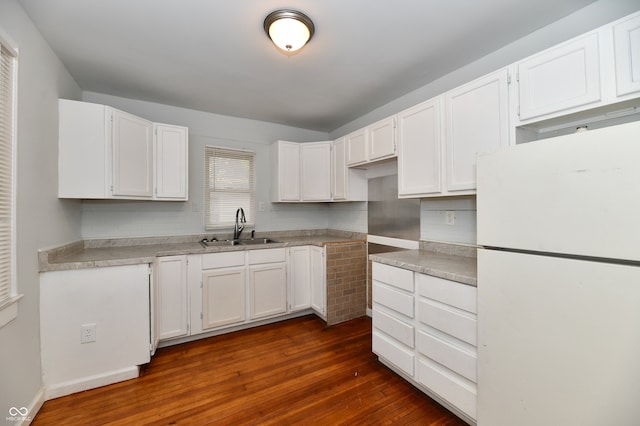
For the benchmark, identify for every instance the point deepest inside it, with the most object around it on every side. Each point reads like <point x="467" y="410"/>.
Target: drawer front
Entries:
<point x="396" y="277"/>
<point x="459" y="295"/>
<point x="393" y="327"/>
<point x="452" y="357"/>
<point x="448" y="320"/>
<point x="266" y="256"/>
<point x="454" y="390"/>
<point x="393" y="352"/>
<point x="393" y="299"/>
<point x="222" y="260"/>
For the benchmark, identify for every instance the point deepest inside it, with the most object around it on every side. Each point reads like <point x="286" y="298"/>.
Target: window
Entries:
<point x="229" y="185"/>
<point x="8" y="294"/>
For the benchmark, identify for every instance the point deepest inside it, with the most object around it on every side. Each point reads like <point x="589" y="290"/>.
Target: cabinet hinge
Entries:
<point x="518" y="76"/>
<point x="508" y="77"/>
<point x="518" y="110"/>
<point x="201" y="316"/>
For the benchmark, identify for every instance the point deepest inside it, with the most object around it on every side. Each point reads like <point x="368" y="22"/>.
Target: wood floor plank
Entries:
<point x="296" y="372"/>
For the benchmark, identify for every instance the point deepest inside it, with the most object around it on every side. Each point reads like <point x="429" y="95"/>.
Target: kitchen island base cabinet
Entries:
<point x="114" y="302"/>
<point x="424" y="328"/>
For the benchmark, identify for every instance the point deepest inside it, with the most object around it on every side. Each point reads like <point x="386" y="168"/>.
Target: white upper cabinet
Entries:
<point x="104" y="153"/>
<point x="419" y="150"/>
<point x="372" y="143"/>
<point x="563" y="77"/>
<point x="357" y="145"/>
<point x="627" y="55"/>
<point x="348" y="184"/>
<point x="285" y="171"/>
<point x="132" y="155"/>
<point x="315" y="163"/>
<point x="300" y="171"/>
<point x="171" y="152"/>
<point x="382" y="140"/>
<point x="476" y="120"/>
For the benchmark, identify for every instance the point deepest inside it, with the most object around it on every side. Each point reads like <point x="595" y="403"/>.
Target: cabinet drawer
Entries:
<point x="393" y="299"/>
<point x="222" y="260"/>
<point x="393" y="352"/>
<point x="459" y="295"/>
<point x="448" y="320"/>
<point x="395" y="328"/>
<point x="455" y="390"/>
<point x="452" y="357"/>
<point x="266" y="256"/>
<point x="397" y="277"/>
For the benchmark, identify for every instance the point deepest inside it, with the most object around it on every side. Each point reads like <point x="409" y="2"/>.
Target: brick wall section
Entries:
<point x="346" y="281"/>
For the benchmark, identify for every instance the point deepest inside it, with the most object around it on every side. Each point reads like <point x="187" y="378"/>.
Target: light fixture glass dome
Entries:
<point x="289" y="29"/>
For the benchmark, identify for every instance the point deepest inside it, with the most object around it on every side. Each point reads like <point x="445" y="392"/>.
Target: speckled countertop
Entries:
<point x="115" y="252"/>
<point x="451" y="263"/>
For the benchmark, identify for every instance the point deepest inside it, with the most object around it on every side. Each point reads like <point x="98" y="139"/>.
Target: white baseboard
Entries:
<point x="24" y="415"/>
<point x="90" y="382"/>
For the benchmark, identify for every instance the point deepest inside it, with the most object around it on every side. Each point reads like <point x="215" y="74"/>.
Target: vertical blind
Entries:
<point x="7" y="131"/>
<point x="229" y="185"/>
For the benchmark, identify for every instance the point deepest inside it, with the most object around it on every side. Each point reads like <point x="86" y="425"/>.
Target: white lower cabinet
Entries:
<point x="299" y="277"/>
<point x="236" y="288"/>
<point x="425" y="328"/>
<point x="170" y="297"/>
<point x="318" y="278"/>
<point x="223" y="297"/>
<point x="267" y="283"/>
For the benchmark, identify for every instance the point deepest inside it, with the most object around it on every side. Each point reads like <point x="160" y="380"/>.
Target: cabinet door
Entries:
<point x="357" y="147"/>
<point x="318" y="280"/>
<point x="267" y="290"/>
<point x="286" y="164"/>
<point x="171" y="297"/>
<point x="299" y="278"/>
<point x="476" y="120"/>
<point x="627" y="53"/>
<point x="171" y="162"/>
<point x="315" y="161"/>
<point x="560" y="78"/>
<point x="223" y="297"/>
<point x="382" y="142"/>
<point x="419" y="150"/>
<point x="339" y="170"/>
<point x="132" y="156"/>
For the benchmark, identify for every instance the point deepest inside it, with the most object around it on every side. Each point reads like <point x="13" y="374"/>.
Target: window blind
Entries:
<point x="7" y="136"/>
<point x="229" y="185"/>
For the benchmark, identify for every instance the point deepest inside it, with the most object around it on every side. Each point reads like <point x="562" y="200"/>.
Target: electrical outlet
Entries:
<point x="450" y="217"/>
<point x="88" y="333"/>
<point x="261" y="206"/>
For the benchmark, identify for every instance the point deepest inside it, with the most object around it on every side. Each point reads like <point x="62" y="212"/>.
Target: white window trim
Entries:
<point x="252" y="213"/>
<point x="9" y="307"/>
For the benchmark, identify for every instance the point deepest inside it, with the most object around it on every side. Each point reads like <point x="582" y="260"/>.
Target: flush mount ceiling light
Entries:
<point x="289" y="29"/>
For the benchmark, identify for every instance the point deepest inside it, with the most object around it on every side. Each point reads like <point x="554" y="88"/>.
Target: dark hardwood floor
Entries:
<point x="296" y="372"/>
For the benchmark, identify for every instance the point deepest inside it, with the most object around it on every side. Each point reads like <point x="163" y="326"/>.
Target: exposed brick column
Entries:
<point x="346" y="281"/>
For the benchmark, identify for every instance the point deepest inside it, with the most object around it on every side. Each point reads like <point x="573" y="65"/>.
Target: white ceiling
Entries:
<point x="213" y="55"/>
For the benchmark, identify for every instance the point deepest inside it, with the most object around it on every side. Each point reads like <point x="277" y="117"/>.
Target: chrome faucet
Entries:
<point x="240" y="221"/>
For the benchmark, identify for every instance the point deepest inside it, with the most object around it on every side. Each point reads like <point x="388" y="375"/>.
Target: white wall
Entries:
<point x="107" y="219"/>
<point x="42" y="219"/>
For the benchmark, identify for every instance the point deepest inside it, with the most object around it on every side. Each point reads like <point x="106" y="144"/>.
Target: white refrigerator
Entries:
<point x="559" y="281"/>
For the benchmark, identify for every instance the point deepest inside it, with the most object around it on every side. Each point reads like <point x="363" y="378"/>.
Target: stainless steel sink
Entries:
<point x="256" y="241"/>
<point x="247" y="242"/>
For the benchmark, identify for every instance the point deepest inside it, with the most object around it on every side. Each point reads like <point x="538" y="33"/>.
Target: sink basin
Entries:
<point x="256" y="241"/>
<point x="219" y="243"/>
<point x="224" y="243"/>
